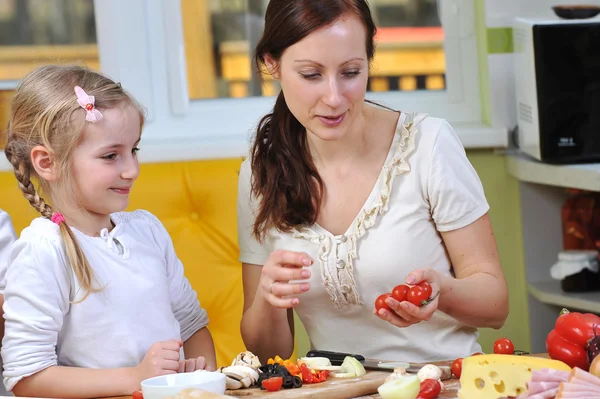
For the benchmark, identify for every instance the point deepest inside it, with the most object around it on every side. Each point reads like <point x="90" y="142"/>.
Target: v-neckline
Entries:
<point x="376" y="187"/>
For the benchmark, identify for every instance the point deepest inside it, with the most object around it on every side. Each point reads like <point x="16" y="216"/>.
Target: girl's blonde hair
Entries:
<point x="45" y="112"/>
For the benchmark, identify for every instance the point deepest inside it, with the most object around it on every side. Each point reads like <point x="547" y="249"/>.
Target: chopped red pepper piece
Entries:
<point x="307" y="376"/>
<point x="323" y="375"/>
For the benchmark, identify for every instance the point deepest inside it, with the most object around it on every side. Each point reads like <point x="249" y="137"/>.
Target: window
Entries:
<point x="148" y="45"/>
<point x="410" y="52"/>
<point x="34" y="32"/>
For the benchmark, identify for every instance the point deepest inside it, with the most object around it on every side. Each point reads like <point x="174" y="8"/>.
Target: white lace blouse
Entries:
<point x="426" y="186"/>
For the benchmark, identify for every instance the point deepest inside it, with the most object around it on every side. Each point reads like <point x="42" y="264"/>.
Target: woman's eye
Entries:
<point x="135" y="150"/>
<point x="309" y="76"/>
<point x="352" y="74"/>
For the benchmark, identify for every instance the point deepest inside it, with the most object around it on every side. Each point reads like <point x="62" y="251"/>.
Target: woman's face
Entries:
<point x="324" y="77"/>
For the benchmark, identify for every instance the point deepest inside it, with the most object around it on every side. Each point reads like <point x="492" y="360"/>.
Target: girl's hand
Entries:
<point x="162" y="358"/>
<point x="405" y="313"/>
<point x="189" y="365"/>
<point x="278" y="271"/>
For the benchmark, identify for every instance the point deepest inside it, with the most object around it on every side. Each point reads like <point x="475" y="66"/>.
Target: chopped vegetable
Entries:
<point x="429" y="371"/>
<point x="407" y="387"/>
<point x="272" y="384"/>
<point x="399" y="372"/>
<point x="429" y="389"/>
<point x="351" y="367"/>
<point x="277" y="370"/>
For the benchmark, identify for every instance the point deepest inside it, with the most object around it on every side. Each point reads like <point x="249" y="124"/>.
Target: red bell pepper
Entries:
<point x="570" y="339"/>
<point x="307" y="376"/>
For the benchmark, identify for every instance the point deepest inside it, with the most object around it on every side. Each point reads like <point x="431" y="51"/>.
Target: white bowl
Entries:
<point x="172" y="384"/>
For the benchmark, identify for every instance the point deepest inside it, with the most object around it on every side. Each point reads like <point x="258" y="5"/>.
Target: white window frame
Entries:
<point x="141" y="44"/>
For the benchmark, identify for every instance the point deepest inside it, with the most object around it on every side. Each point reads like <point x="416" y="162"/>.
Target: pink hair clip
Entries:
<point x="87" y="103"/>
<point x="57" y="218"/>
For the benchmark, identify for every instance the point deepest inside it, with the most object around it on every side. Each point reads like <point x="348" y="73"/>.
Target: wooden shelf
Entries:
<point x="549" y="292"/>
<point x="527" y="169"/>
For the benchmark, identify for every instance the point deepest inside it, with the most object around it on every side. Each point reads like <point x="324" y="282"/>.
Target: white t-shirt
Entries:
<point x="7" y="237"/>
<point x="426" y="186"/>
<point x="145" y="298"/>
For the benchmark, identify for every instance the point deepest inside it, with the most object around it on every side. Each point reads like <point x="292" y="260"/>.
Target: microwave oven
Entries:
<point x="557" y="85"/>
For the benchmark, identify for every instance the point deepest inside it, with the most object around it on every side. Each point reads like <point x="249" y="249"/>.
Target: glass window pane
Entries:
<point x="35" y="32"/>
<point x="410" y="46"/>
<point x="410" y="52"/>
<point x="46" y="22"/>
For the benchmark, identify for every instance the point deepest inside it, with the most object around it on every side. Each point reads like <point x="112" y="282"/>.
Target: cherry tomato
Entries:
<point x="430" y="389"/>
<point x="137" y="395"/>
<point x="399" y="292"/>
<point x="380" y="302"/>
<point x="477" y="354"/>
<point x="417" y="296"/>
<point x="504" y="346"/>
<point x="457" y="367"/>
<point x="427" y="287"/>
<point x="273" y="384"/>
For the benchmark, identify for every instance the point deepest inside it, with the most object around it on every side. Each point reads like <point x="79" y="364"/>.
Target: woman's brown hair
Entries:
<point x="284" y="177"/>
<point x="45" y="112"/>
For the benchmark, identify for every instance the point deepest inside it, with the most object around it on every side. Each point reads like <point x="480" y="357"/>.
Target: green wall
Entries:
<point x="502" y="192"/>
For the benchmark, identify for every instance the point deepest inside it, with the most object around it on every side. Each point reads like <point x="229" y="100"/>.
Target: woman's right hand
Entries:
<point x="278" y="271"/>
<point x="162" y="358"/>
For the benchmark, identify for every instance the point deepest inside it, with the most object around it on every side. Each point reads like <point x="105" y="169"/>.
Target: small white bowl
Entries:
<point x="172" y="384"/>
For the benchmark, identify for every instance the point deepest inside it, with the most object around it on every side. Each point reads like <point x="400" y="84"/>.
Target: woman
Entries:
<point x="341" y="200"/>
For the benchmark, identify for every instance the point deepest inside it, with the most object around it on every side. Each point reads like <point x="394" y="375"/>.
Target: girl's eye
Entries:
<point x="135" y="150"/>
<point x="352" y="74"/>
<point x="110" y="157"/>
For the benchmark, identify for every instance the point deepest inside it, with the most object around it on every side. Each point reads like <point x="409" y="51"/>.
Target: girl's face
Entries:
<point x="324" y="77"/>
<point x="105" y="164"/>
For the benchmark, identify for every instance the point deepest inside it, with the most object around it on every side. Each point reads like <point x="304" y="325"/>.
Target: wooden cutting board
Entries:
<point x="450" y="391"/>
<point x="333" y="388"/>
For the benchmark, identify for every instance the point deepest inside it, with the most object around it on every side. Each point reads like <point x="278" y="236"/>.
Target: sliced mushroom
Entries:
<point x="232" y="383"/>
<point x="247" y="358"/>
<point x="239" y="376"/>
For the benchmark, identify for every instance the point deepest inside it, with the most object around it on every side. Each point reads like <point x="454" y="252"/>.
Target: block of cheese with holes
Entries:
<point x="498" y="376"/>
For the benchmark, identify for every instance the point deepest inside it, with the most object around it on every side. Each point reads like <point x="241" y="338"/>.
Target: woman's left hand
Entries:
<point x="189" y="365"/>
<point x="405" y="313"/>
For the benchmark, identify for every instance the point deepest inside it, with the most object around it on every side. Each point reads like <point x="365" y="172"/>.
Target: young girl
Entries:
<point x="95" y="300"/>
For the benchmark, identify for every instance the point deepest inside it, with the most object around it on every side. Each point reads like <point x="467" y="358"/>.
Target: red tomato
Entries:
<point x="477" y="354"/>
<point x="504" y="346"/>
<point x="430" y="389"/>
<point x="417" y="296"/>
<point x="427" y="287"/>
<point x="137" y="395"/>
<point x="380" y="302"/>
<point x="399" y="292"/>
<point x="273" y="384"/>
<point x="457" y="367"/>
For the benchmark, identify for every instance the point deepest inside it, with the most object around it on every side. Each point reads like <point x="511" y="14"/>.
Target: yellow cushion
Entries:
<point x="196" y="201"/>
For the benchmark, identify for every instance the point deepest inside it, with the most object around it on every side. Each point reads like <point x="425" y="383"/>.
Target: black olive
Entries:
<point x="297" y="382"/>
<point x="288" y="382"/>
